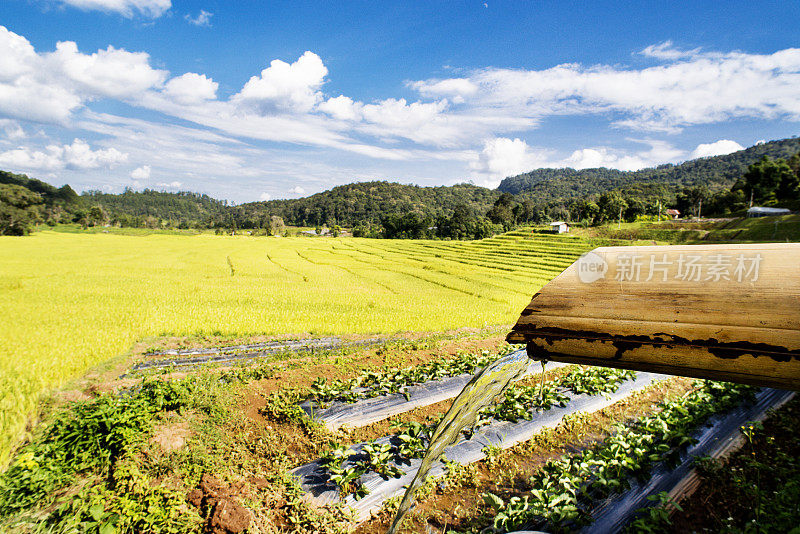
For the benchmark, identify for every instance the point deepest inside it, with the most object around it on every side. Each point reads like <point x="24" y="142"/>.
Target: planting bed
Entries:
<point x="370" y="410"/>
<point x="374" y="488"/>
<point x="718" y="437"/>
<point x="223" y="355"/>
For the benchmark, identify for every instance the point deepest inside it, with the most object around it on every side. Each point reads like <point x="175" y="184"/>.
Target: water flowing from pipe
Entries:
<point x="479" y="393"/>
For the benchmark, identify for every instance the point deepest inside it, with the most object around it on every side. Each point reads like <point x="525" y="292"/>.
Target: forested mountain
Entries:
<point x="63" y="196"/>
<point x="717" y="172"/>
<point x="370" y="202"/>
<point x="138" y="208"/>
<point x="25" y="201"/>
<point x="719" y="185"/>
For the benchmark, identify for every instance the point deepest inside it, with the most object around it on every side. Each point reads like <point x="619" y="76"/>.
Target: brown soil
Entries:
<point x="459" y="505"/>
<point x="218" y="502"/>
<point x="171" y="437"/>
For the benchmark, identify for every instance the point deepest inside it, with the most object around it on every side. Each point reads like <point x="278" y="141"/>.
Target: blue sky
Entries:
<point x="255" y="100"/>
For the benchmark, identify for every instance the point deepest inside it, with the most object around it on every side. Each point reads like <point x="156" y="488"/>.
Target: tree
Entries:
<point x="95" y="215"/>
<point x="276" y="226"/>
<point x="458" y="225"/>
<point x="611" y="206"/>
<point x="502" y="211"/>
<point x="769" y="178"/>
<point x="20" y="208"/>
<point x="691" y="199"/>
<point x="525" y="211"/>
<point x="636" y="207"/>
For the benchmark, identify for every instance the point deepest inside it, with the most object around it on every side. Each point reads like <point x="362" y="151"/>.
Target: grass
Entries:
<point x="73" y="300"/>
<point x="741" y="230"/>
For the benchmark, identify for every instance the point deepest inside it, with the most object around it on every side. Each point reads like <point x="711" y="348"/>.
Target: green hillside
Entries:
<point x="717" y="172"/>
<point x="370" y="202"/>
<point x="185" y="209"/>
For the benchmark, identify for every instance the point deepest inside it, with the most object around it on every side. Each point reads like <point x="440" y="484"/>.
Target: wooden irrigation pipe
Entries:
<point x="724" y="312"/>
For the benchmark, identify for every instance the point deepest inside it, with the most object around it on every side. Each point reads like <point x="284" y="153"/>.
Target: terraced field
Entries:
<point x="71" y="301"/>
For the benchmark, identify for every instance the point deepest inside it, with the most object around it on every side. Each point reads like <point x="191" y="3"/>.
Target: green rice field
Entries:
<point x="71" y="301"/>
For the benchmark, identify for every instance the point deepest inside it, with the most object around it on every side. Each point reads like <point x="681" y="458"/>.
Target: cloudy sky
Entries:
<point x="253" y="100"/>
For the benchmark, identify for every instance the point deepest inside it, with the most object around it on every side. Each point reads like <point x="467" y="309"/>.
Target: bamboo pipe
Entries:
<point x="723" y="312"/>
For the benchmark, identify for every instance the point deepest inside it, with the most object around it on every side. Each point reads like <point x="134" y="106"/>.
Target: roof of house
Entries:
<point x="557" y="223"/>
<point x="673" y="212"/>
<point x="762" y="209"/>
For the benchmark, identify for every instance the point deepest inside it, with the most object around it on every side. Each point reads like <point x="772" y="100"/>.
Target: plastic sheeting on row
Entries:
<point x="368" y="411"/>
<point x="719" y="435"/>
<point x="245" y="348"/>
<point x="250" y="352"/>
<point x="313" y="477"/>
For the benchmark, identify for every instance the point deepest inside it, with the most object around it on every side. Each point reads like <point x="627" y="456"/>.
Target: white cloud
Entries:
<point x="126" y="8"/>
<point x="25" y="93"/>
<point x="49" y="87"/>
<point x="286" y="87"/>
<point x="191" y="88"/>
<point x="297" y="190"/>
<point x="113" y="73"/>
<point x="170" y="185"/>
<point x="141" y="173"/>
<point x="667" y="50"/>
<point x="77" y="156"/>
<point x="688" y="88"/>
<point x="718" y="148"/>
<point x="265" y="197"/>
<point x="341" y="107"/>
<point x="589" y="158"/>
<point x="455" y="88"/>
<point x="202" y="19"/>
<point x="502" y="157"/>
<point x="11" y="130"/>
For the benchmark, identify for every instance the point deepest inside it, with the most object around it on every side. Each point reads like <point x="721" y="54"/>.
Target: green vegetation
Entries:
<point x="147" y="208"/>
<point x="756" y="489"/>
<point x="20" y="208"/>
<point x="752" y="230"/>
<point x="25" y="202"/>
<point x="372" y="383"/>
<point x="718" y="172"/>
<point x="563" y="490"/>
<point x="369" y="203"/>
<point x="80" y="472"/>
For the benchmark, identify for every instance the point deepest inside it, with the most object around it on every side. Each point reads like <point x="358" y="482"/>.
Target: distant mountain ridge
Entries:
<point x="370" y="202"/>
<point x="545" y="193"/>
<point x="190" y="209"/>
<point x="715" y="172"/>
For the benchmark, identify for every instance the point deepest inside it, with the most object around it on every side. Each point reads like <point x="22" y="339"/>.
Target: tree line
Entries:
<point x="766" y="174"/>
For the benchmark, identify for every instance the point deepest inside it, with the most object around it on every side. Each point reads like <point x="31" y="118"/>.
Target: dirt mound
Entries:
<point x="216" y="501"/>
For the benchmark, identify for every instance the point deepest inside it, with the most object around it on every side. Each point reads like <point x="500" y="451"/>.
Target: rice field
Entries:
<point x="71" y="301"/>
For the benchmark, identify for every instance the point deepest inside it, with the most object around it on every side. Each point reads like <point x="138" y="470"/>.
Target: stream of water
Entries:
<point x="476" y="395"/>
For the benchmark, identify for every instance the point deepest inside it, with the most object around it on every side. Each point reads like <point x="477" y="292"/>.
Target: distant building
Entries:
<point x="759" y="211"/>
<point x="559" y="227"/>
<point x="673" y="214"/>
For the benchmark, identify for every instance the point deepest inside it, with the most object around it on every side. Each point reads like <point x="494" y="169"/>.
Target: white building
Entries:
<point x="559" y="227"/>
<point x="759" y="211"/>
